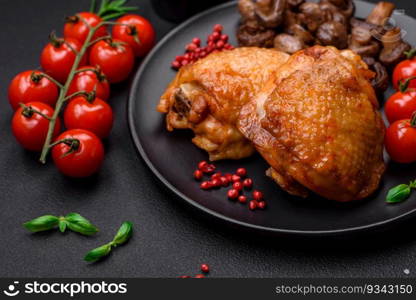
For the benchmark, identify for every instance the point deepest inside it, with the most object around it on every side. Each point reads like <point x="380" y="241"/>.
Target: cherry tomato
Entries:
<point x="76" y="28"/>
<point x="95" y="116"/>
<point x="140" y="34"/>
<point x="114" y="57"/>
<point x="89" y="80"/>
<point x="403" y="70"/>
<point x="82" y="154"/>
<point x="400" y="105"/>
<point x="30" y="128"/>
<point x="57" y="57"/>
<point x="29" y="86"/>
<point x="400" y="141"/>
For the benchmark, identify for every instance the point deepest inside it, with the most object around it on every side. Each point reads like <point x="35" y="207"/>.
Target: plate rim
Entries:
<point x="279" y="231"/>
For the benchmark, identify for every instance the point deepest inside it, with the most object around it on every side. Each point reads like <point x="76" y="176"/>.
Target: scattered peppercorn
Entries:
<point x="224" y="181"/>
<point x="252" y="204"/>
<point x="205" y="268"/>
<point x="232" y="194"/>
<point x="242" y="199"/>
<point x="218" y="180"/>
<point x="235" y="178"/>
<point x="262" y="204"/>
<point x="242" y="172"/>
<point x="198" y="174"/>
<point x="238" y="185"/>
<point x="206" y="185"/>
<point x="248" y="183"/>
<point x="216" y="41"/>
<point x="257" y="195"/>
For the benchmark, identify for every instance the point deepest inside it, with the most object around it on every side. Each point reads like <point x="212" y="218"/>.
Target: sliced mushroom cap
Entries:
<point x="251" y="34"/>
<point x="288" y="43"/>
<point x="345" y="7"/>
<point x="380" y="82"/>
<point x="311" y="15"/>
<point x="333" y="13"/>
<point x="247" y="9"/>
<point x="393" y="47"/>
<point x="380" y="13"/>
<point x="294" y="3"/>
<point x="362" y="32"/>
<point x="298" y="30"/>
<point x="370" y="49"/>
<point x="269" y="13"/>
<point x="332" y="33"/>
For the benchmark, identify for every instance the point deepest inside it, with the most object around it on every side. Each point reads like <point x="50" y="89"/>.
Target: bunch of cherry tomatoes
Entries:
<point x="87" y="117"/>
<point x="400" y="109"/>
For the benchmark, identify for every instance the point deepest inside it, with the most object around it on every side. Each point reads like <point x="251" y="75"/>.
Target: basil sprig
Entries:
<point x="122" y="236"/>
<point x="72" y="221"/>
<point x="400" y="192"/>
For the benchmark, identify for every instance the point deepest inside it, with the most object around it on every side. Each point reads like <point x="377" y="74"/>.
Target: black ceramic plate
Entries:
<point x="172" y="157"/>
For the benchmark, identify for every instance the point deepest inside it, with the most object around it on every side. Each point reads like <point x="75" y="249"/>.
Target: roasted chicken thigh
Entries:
<point x="318" y="126"/>
<point x="207" y="97"/>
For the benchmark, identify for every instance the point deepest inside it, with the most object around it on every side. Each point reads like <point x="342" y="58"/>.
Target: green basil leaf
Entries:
<point x="123" y="234"/>
<point x="62" y="225"/>
<point x="42" y="223"/>
<point x="398" y="193"/>
<point x="79" y="224"/>
<point x="98" y="253"/>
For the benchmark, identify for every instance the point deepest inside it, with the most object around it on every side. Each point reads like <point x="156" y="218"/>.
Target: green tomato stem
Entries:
<point x="62" y="94"/>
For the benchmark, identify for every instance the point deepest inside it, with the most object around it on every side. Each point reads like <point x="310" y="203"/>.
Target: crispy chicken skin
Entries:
<point x="207" y="96"/>
<point x="318" y="126"/>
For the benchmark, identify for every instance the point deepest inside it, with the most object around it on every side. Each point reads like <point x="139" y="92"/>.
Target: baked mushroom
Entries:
<point x="333" y="33"/>
<point x="311" y="16"/>
<point x="268" y="13"/>
<point x="393" y="47"/>
<point x="380" y="82"/>
<point x="252" y="34"/>
<point x="345" y="7"/>
<point x="361" y="39"/>
<point x="299" y="31"/>
<point x="380" y="13"/>
<point x="288" y="43"/>
<point x="294" y="3"/>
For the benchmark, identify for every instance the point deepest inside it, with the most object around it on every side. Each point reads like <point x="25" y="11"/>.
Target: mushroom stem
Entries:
<point x="381" y="13"/>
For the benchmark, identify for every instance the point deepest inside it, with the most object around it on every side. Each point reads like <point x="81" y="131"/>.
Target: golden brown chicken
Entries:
<point x="207" y="97"/>
<point x="318" y="127"/>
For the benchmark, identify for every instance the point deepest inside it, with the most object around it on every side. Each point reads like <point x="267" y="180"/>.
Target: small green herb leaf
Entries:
<point x="79" y="224"/>
<point x="98" y="253"/>
<point x="123" y="234"/>
<point x="42" y="223"/>
<point x="398" y="194"/>
<point x="110" y="9"/>
<point x="62" y="225"/>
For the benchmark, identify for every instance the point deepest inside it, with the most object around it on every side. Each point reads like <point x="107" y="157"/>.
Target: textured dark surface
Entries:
<point x="170" y="239"/>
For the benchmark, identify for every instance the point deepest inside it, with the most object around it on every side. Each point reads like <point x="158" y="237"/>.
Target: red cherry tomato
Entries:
<point x="76" y="28"/>
<point x="400" y="105"/>
<point x="114" y="58"/>
<point x="30" y="128"/>
<point x="88" y="81"/>
<point x="140" y="34"/>
<point x="29" y="86"/>
<point x="403" y="70"/>
<point x="81" y="156"/>
<point x="95" y="116"/>
<point x="57" y="58"/>
<point x="400" y="141"/>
